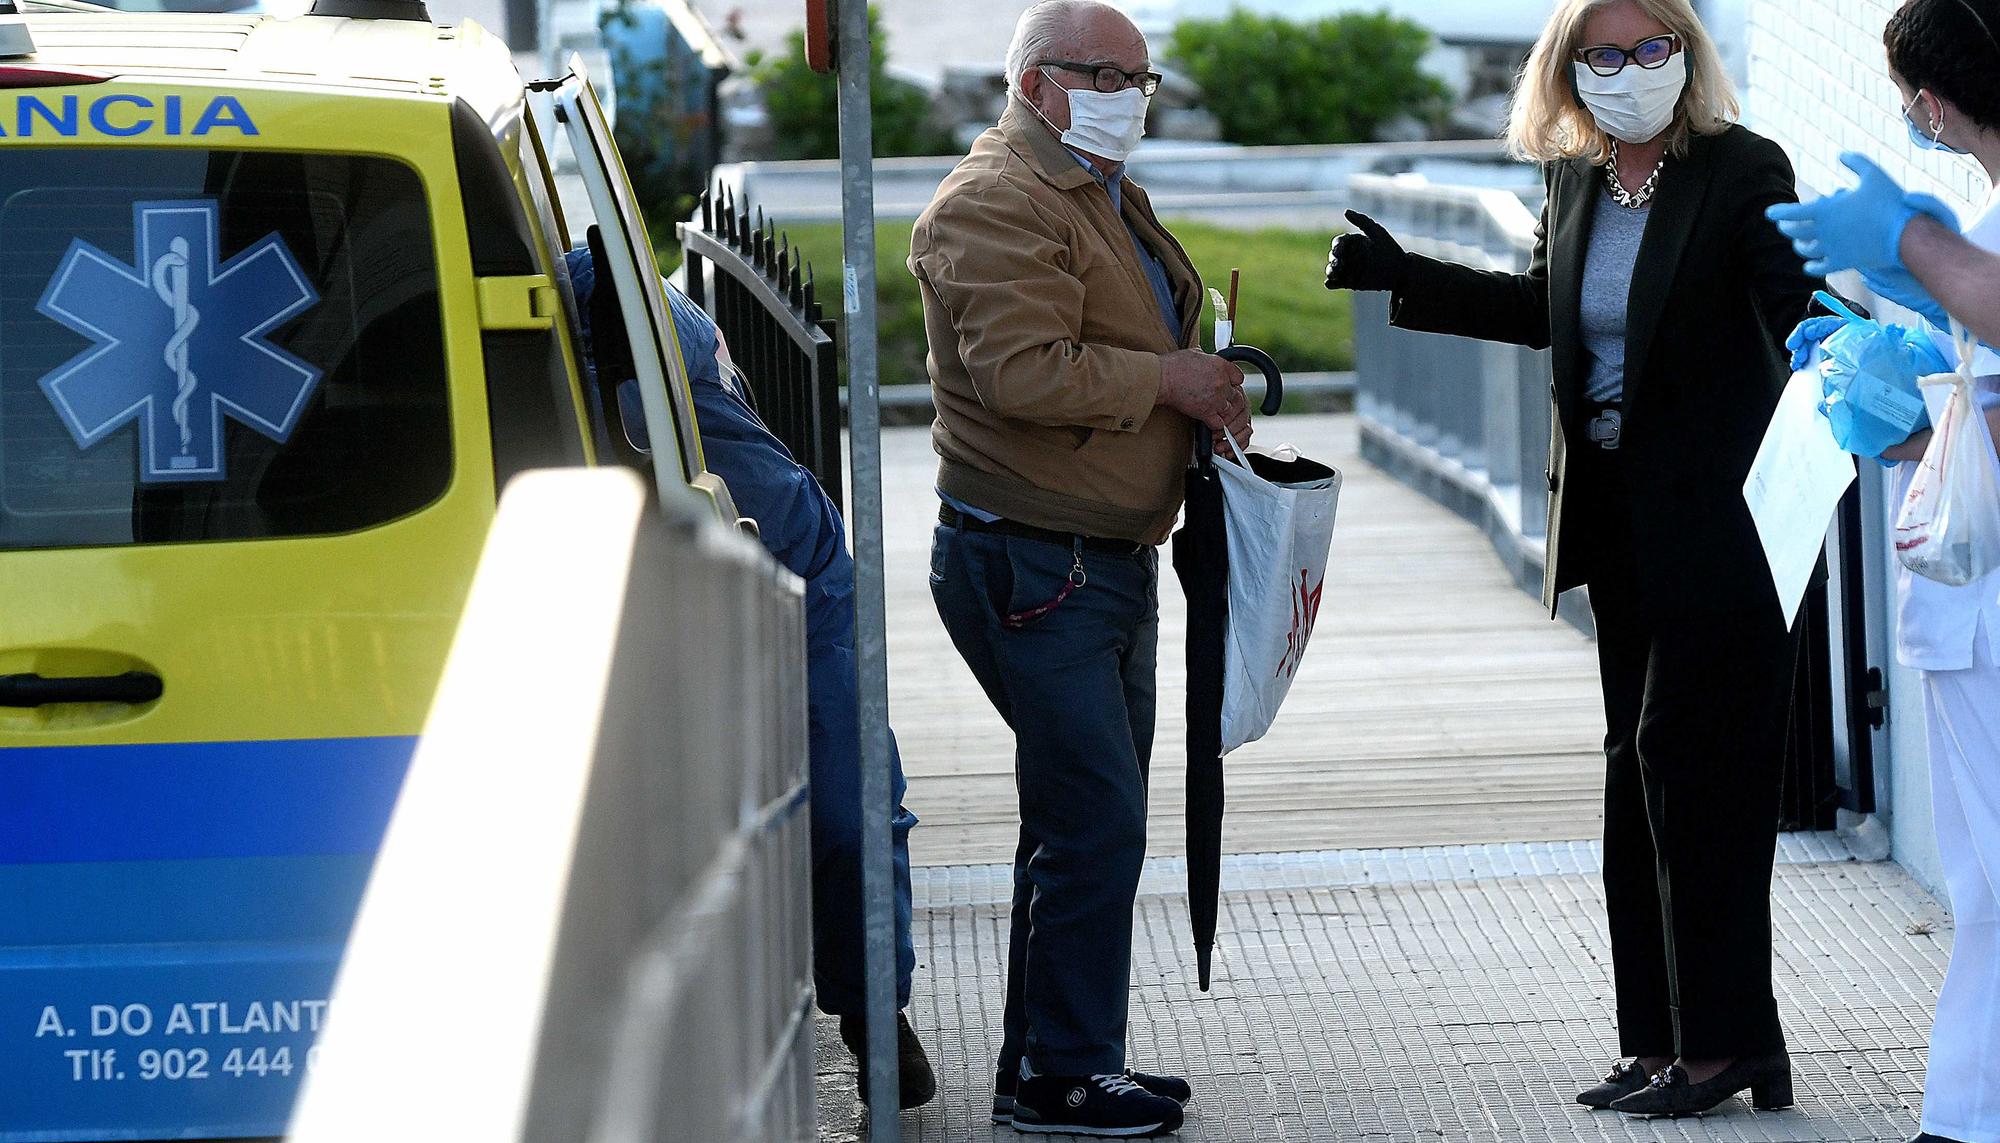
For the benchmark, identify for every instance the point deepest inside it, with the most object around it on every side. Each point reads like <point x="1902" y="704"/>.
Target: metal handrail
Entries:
<point x="1467" y="422"/>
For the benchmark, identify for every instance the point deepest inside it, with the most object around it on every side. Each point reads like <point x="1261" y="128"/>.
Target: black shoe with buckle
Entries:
<point x="916" y="1084"/>
<point x="1008" y="1080"/>
<point x="1927" y="1137"/>
<point x="1671" y="1092"/>
<point x="1106" y="1106"/>
<point x="1624" y="1078"/>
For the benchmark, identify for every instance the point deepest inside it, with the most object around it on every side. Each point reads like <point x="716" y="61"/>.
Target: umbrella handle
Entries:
<point x="1274" y="381"/>
<point x="1274" y="396"/>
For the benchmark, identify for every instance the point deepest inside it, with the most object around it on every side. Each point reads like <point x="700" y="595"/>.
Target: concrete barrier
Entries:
<point x="590" y="916"/>
<point x="1251" y="185"/>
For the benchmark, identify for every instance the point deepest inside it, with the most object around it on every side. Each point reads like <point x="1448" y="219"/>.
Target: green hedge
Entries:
<point x="805" y="120"/>
<point x="1272" y="81"/>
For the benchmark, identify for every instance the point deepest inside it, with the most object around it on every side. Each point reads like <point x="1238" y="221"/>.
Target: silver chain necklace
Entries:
<point x="1631" y="200"/>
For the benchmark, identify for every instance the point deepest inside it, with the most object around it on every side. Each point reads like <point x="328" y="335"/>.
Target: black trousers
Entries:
<point x="1696" y="709"/>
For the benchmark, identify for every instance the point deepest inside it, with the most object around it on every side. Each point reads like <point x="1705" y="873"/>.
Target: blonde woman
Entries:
<point x="1666" y="297"/>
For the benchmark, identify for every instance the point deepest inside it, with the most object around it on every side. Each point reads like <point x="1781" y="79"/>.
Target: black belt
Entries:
<point x="952" y="518"/>
<point x="1604" y="424"/>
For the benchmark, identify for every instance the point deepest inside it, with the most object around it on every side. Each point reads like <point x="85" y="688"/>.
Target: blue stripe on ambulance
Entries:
<point x="202" y="799"/>
<point x="171" y="919"/>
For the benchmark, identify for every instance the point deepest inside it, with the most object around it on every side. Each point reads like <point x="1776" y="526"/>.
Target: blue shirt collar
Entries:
<point x="1112" y="182"/>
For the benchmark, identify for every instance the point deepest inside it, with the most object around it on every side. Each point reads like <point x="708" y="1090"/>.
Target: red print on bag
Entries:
<point x="1305" y="613"/>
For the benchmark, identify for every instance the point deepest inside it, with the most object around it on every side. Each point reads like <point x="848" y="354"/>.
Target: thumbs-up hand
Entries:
<point x="1369" y="258"/>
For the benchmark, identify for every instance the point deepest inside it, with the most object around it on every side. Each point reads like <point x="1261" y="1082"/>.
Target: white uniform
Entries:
<point x="1952" y="635"/>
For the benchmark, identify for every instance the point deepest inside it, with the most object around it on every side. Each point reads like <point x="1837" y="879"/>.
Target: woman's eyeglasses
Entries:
<point x="1607" y="60"/>
<point x="1108" y="79"/>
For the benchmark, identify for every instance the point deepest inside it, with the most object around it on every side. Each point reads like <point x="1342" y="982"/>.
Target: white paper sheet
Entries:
<point x="1794" y="486"/>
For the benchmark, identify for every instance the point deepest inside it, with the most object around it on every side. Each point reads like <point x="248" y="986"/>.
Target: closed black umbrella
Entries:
<point x="1201" y="560"/>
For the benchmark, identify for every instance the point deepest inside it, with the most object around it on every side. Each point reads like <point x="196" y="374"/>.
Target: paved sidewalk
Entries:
<point x="1433" y="967"/>
<point x="1431" y="995"/>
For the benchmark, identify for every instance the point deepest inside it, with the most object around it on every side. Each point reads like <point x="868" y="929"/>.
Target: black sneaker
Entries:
<point x="1007" y="1080"/>
<point x="1107" y="1106"/>
<point x="916" y="1084"/>
<point x="1170" y="1087"/>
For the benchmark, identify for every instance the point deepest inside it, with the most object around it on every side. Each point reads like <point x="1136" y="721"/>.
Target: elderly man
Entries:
<point x="1061" y="317"/>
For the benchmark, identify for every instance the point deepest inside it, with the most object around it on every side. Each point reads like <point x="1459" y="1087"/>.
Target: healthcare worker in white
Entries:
<point x="1944" y="56"/>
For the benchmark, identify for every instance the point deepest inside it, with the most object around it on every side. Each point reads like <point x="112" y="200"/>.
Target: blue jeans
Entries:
<point x="1075" y="683"/>
<point x="838" y="935"/>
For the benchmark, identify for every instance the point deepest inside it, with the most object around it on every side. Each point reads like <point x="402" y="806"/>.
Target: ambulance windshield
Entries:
<point x="212" y="345"/>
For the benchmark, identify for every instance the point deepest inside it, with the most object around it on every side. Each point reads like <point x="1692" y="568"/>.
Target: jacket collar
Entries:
<point x="1677" y="202"/>
<point x="1572" y="211"/>
<point x="1038" y="146"/>
<point x="1027" y="136"/>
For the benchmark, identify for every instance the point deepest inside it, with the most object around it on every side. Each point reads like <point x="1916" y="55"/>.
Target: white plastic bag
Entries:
<point x="1278" y="509"/>
<point x="1949" y="526"/>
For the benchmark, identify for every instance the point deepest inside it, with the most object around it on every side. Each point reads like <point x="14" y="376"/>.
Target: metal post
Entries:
<point x="857" y="210"/>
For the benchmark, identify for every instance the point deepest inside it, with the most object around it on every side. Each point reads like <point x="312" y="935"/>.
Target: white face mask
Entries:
<point x="1636" y="104"/>
<point x="1106" y="124"/>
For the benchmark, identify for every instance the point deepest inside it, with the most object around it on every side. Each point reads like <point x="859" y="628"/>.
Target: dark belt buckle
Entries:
<point x="1605" y="428"/>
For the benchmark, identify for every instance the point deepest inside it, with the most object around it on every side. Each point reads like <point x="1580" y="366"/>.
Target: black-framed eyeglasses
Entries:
<point x="1604" y="59"/>
<point x="1108" y="79"/>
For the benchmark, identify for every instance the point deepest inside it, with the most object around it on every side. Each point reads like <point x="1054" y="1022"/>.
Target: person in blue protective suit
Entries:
<point x="1944" y="56"/>
<point x="802" y="528"/>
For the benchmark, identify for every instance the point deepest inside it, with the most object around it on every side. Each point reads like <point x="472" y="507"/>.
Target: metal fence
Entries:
<point x="762" y="296"/>
<point x="590" y="919"/>
<point x="1468" y="423"/>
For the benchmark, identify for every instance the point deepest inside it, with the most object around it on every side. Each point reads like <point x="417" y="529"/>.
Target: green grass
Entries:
<point x="1281" y="308"/>
<point x="899" y="308"/>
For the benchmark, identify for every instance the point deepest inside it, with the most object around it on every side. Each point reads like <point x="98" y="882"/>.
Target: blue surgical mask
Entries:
<point x="1931" y="141"/>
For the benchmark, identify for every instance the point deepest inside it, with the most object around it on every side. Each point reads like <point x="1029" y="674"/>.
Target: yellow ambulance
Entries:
<point x="282" y="307"/>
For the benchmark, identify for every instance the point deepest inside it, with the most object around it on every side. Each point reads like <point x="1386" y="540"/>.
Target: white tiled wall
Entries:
<point x="1819" y="85"/>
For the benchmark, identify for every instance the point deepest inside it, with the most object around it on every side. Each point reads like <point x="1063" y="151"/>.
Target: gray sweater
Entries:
<point x="1615" y="232"/>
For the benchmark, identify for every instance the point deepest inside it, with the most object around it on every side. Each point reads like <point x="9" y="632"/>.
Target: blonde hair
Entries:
<point x="1549" y="123"/>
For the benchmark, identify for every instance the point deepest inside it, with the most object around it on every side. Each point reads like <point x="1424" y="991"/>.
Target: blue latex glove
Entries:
<point x="1868" y="375"/>
<point x="1807" y="336"/>
<point x="1901" y="287"/>
<point x="1856" y="229"/>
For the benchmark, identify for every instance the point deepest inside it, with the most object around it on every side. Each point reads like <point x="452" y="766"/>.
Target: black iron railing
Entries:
<point x="761" y="295"/>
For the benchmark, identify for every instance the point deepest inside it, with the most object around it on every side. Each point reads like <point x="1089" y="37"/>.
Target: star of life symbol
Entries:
<point x="179" y="341"/>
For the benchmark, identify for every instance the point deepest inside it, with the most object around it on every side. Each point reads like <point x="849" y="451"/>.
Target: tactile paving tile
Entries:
<point x="1446" y="994"/>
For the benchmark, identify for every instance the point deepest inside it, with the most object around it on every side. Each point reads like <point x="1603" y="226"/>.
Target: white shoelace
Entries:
<point x="1117" y="1085"/>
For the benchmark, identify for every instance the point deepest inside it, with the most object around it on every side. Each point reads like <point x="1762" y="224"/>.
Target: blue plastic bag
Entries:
<point x="1868" y="375"/>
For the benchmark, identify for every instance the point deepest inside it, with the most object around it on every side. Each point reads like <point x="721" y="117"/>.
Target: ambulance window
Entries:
<point x="215" y="346"/>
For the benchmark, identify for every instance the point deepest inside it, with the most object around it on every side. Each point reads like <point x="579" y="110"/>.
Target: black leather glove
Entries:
<point x="1369" y="259"/>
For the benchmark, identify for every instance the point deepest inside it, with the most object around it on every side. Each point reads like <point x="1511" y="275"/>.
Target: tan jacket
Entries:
<point x="1045" y="341"/>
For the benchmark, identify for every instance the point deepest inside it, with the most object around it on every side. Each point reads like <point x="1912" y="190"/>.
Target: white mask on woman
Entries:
<point x="1637" y="103"/>
<point x="1106" y="124"/>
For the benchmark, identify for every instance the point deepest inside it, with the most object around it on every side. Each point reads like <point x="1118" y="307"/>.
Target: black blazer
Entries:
<point x="1715" y="291"/>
